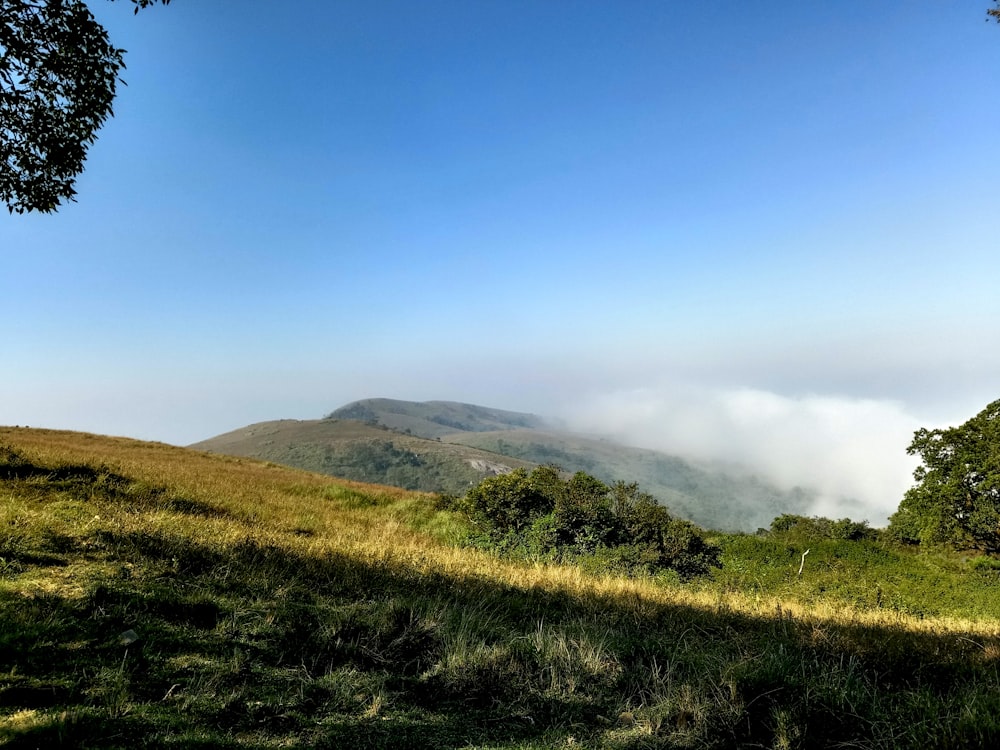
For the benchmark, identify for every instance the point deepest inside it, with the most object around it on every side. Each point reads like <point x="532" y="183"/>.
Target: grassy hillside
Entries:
<point x="364" y="452"/>
<point x="153" y="596"/>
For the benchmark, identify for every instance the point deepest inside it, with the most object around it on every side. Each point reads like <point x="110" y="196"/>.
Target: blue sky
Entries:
<point x="639" y="216"/>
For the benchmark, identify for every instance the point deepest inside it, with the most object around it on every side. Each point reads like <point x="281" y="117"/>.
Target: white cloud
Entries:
<point x="851" y="451"/>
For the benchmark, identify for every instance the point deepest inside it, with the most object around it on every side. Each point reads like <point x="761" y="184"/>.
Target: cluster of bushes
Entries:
<point x="818" y="527"/>
<point x="615" y="528"/>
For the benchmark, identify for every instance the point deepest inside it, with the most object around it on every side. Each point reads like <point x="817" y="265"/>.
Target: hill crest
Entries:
<point x="433" y="419"/>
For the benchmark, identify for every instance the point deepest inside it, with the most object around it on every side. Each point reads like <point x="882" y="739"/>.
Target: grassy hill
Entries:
<point x="443" y="446"/>
<point x="153" y="596"/>
<point x="364" y="452"/>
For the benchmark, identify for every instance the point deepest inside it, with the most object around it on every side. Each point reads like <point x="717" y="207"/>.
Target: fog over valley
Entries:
<point x="850" y="451"/>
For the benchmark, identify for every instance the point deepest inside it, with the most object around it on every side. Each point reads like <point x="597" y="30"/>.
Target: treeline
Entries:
<point x="792" y="526"/>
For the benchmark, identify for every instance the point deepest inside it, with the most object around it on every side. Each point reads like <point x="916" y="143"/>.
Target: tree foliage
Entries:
<point x="956" y="499"/>
<point x="615" y="528"/>
<point x="58" y="79"/>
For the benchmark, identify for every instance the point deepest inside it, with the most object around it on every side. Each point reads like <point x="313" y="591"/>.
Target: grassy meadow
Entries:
<point x="153" y="596"/>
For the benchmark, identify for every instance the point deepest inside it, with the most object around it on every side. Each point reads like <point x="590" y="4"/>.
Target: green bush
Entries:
<point x="583" y="517"/>
<point x="818" y="527"/>
<point x="984" y="563"/>
<point x="511" y="502"/>
<point x="616" y="528"/>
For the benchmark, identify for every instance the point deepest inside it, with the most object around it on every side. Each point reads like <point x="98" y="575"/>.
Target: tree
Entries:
<point x="58" y="79"/>
<point x="957" y="496"/>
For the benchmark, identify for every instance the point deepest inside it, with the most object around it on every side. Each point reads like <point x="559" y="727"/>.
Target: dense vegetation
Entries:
<point x="616" y="529"/>
<point x="153" y="596"/>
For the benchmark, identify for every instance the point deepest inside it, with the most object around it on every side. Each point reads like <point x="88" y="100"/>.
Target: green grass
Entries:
<point x="274" y="608"/>
<point x="866" y="575"/>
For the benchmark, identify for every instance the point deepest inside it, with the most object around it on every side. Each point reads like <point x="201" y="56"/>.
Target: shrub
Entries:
<point x="615" y="528"/>
<point x="583" y="518"/>
<point x="511" y="502"/>
<point x="818" y="527"/>
<point x="984" y="563"/>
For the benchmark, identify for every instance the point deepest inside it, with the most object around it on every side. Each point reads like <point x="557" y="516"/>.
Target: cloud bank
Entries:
<point x="850" y="451"/>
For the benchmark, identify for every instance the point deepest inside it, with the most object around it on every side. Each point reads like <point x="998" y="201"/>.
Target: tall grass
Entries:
<point x="154" y="596"/>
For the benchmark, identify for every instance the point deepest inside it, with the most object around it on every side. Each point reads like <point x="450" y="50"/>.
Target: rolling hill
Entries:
<point x="364" y="452"/>
<point x="445" y="446"/>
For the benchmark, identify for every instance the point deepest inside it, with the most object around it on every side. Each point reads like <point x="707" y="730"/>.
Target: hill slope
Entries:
<point x="152" y="596"/>
<point x="364" y="452"/>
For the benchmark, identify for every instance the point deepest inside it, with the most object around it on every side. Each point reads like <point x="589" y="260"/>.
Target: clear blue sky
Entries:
<point x="543" y="206"/>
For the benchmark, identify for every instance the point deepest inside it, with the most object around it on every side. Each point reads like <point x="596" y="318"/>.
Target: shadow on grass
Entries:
<point x="257" y="641"/>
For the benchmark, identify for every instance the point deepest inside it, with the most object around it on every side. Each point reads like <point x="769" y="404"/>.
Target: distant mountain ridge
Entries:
<point x="433" y="419"/>
<point x="448" y="446"/>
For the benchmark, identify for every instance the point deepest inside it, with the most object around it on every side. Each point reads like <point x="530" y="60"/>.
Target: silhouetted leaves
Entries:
<point x="58" y="79"/>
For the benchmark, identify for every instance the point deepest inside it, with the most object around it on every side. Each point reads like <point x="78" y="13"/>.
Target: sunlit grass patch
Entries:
<point x="25" y="722"/>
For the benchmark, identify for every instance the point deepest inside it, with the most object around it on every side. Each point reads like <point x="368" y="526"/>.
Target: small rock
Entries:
<point x="128" y="638"/>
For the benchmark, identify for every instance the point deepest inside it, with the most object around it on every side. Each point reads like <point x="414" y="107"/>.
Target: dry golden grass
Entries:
<point x="315" y="514"/>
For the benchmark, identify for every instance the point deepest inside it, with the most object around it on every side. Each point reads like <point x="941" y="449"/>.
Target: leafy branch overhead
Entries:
<point x="58" y="79"/>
